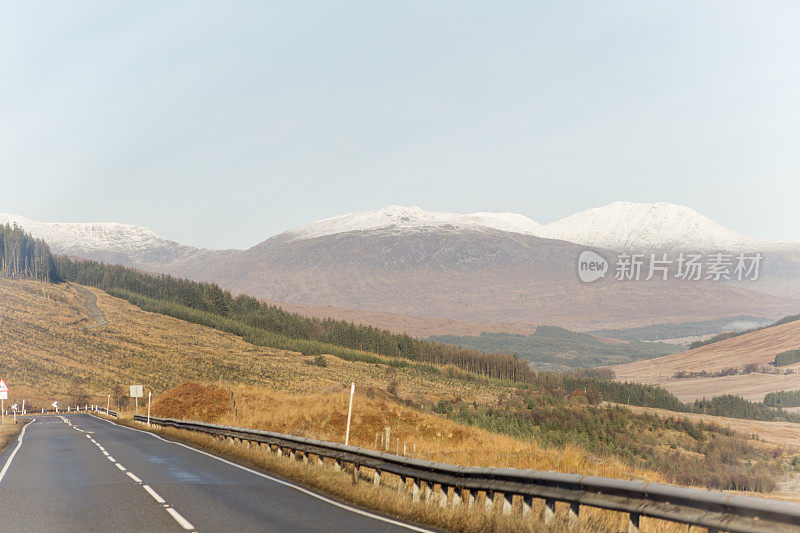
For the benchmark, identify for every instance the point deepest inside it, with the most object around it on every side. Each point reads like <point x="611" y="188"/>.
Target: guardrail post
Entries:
<point x="633" y="523"/>
<point x="471" y="498"/>
<point x="428" y="491"/>
<point x="458" y="497"/>
<point x="320" y="460"/>
<point x="549" y="511"/>
<point x="279" y="451"/>
<point x="442" y="495"/>
<point x="508" y="502"/>
<point x="291" y="454"/>
<point x="304" y="456"/>
<point x="337" y="464"/>
<point x="376" y="478"/>
<point x="527" y="503"/>
<point x="574" y="511"/>
<point x="401" y="484"/>
<point x="415" y="490"/>
<point x="488" y="500"/>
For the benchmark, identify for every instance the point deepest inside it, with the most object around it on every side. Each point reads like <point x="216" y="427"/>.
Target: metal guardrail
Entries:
<point x="715" y="510"/>
<point x="109" y="412"/>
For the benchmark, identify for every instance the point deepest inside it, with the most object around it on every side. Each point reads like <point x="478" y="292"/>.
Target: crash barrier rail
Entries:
<point x="461" y="486"/>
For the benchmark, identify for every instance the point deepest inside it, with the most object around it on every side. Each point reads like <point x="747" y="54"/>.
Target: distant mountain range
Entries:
<point x="482" y="267"/>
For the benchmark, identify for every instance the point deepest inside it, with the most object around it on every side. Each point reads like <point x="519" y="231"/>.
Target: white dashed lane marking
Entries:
<point x="154" y="494"/>
<point x="185" y="524"/>
<point x="178" y="517"/>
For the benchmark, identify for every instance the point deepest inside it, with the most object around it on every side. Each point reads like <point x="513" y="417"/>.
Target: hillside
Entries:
<point x="50" y="353"/>
<point x="47" y="353"/>
<point x="758" y="347"/>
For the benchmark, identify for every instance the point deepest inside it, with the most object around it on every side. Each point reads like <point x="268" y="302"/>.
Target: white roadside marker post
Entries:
<point x="149" y="394"/>
<point x="108" y="403"/>
<point x="349" y="414"/>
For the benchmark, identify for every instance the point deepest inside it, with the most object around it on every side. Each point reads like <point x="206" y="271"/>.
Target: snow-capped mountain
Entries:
<point x="617" y="226"/>
<point x="499" y="267"/>
<point x="649" y="226"/>
<point x="104" y="241"/>
<point x="410" y="218"/>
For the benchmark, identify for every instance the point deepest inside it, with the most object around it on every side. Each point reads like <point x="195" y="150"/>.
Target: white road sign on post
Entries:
<point x="137" y="392"/>
<point x="3" y="398"/>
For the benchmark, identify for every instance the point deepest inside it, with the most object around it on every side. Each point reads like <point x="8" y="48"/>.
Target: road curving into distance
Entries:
<point x="83" y="473"/>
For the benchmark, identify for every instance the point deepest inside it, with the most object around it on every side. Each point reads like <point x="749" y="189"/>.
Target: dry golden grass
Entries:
<point x="324" y="416"/>
<point x="8" y="432"/>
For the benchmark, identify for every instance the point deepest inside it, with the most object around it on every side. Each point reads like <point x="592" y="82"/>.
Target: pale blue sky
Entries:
<point x="220" y="124"/>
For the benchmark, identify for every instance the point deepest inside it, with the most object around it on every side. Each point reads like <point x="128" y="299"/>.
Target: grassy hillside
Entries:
<point x="735" y="356"/>
<point x="267" y="325"/>
<point x="554" y="348"/>
<point x="730" y="334"/>
<point x="47" y="353"/>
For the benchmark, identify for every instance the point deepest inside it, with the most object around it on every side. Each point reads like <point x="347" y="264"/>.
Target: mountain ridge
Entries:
<point x="618" y="226"/>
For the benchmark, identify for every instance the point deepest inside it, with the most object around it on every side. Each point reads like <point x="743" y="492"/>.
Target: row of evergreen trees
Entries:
<point x="25" y="257"/>
<point x="210" y="300"/>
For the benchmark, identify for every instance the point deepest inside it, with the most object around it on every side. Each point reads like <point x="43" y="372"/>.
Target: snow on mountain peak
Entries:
<point x="646" y="226"/>
<point x="82" y="238"/>
<point x="400" y="217"/>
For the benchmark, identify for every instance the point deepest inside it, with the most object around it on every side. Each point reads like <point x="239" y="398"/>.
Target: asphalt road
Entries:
<point x="81" y="473"/>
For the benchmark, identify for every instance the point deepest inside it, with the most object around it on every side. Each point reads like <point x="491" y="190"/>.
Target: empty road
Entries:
<point x="82" y="473"/>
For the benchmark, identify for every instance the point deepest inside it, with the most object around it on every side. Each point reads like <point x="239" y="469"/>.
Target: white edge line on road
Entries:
<point x="185" y="524"/>
<point x="11" y="457"/>
<point x="282" y="482"/>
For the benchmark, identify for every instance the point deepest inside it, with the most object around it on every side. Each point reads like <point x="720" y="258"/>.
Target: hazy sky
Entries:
<point x="220" y="124"/>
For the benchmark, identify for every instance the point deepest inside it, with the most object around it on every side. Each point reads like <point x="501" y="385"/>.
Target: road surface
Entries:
<point x="90" y="301"/>
<point x="82" y="473"/>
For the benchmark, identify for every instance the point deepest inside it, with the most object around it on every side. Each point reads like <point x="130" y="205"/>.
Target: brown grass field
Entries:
<point x="758" y="347"/>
